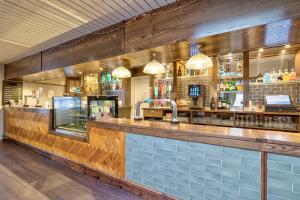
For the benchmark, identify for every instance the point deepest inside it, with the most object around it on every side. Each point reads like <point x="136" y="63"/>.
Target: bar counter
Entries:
<point x="165" y="161"/>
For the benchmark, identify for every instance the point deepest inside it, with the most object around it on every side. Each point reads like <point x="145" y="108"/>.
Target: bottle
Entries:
<point x="227" y="85"/>
<point x="267" y="77"/>
<point x="179" y="73"/>
<point x="221" y="71"/>
<point x="222" y="86"/>
<point x="212" y="103"/>
<point x="228" y="104"/>
<point x="274" y="76"/>
<point x="240" y="86"/>
<point x="220" y="103"/>
<point x="280" y="75"/>
<point x="227" y="67"/>
<point x="233" y="85"/>
<point x="286" y="75"/>
<point x="293" y="75"/>
<point x="239" y="68"/>
<point x="259" y="78"/>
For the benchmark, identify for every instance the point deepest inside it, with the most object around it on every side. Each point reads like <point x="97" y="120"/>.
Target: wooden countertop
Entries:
<point x="29" y="109"/>
<point x="226" y="111"/>
<point x="262" y="140"/>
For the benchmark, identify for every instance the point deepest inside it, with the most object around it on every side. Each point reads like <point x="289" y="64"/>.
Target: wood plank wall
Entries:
<point x="105" y="150"/>
<point x="167" y="25"/>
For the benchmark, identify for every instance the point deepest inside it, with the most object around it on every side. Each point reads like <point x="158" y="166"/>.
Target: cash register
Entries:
<point x="279" y="103"/>
<point x="196" y="92"/>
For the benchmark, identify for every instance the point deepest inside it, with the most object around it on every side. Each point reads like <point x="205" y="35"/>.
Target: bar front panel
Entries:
<point x="189" y="170"/>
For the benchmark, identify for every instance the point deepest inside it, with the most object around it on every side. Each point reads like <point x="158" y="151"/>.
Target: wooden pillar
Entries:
<point x="246" y="63"/>
<point x="297" y="63"/>
<point x="264" y="176"/>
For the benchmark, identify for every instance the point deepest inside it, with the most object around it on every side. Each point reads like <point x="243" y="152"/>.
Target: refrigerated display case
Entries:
<point x="70" y="114"/>
<point x="102" y="107"/>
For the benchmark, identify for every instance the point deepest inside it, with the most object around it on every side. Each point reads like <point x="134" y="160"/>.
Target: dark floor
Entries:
<point x="25" y="175"/>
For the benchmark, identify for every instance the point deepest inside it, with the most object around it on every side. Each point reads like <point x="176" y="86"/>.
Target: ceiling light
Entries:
<point x="121" y="72"/>
<point x="199" y="61"/>
<point x="260" y="50"/>
<point x="154" y="67"/>
<point x="80" y="72"/>
<point x="283" y="51"/>
<point x="287" y="46"/>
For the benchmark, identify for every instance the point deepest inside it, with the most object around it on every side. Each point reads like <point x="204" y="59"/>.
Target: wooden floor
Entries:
<point x="25" y="175"/>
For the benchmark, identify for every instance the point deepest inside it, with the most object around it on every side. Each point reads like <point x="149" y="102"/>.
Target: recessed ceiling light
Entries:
<point x="287" y="46"/>
<point x="260" y="50"/>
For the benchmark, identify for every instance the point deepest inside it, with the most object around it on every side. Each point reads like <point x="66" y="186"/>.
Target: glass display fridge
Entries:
<point x="102" y="107"/>
<point x="71" y="113"/>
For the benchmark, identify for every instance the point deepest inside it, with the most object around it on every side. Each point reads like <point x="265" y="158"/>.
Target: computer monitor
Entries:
<point x="283" y="100"/>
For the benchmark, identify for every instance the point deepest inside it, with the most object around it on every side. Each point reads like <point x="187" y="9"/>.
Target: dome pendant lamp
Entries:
<point x="121" y="71"/>
<point x="199" y="61"/>
<point x="154" y="67"/>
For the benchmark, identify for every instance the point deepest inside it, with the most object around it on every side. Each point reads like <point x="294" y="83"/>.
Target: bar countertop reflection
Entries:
<point x="236" y="137"/>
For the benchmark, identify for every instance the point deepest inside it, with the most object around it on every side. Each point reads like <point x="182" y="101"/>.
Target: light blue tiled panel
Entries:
<point x="193" y="171"/>
<point x="283" y="177"/>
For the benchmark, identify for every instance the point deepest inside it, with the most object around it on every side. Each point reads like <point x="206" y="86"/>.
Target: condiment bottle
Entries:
<point x="286" y="75"/>
<point x="293" y="75"/>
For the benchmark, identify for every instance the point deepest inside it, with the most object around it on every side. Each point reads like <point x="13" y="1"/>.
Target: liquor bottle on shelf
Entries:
<point x="259" y="78"/>
<point x="267" y="77"/>
<point x="286" y="75"/>
<point x="280" y="75"/>
<point x="274" y="76"/>
<point x="220" y="103"/>
<point x="228" y="103"/>
<point x="228" y="67"/>
<point x="179" y="72"/>
<point x="227" y="85"/>
<point x="233" y="85"/>
<point x="239" y="86"/>
<point x="293" y="75"/>
<point x="239" y="68"/>
<point x="212" y="103"/>
<point x="221" y="70"/>
<point x="222" y="86"/>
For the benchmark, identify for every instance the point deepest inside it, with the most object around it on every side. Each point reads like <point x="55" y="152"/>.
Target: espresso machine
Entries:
<point x="196" y="93"/>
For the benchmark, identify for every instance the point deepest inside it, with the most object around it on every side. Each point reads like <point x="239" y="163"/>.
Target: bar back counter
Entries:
<point x="159" y="160"/>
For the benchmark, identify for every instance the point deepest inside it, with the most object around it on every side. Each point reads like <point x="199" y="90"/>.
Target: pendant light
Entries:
<point x="199" y="60"/>
<point x="121" y="71"/>
<point x="154" y="67"/>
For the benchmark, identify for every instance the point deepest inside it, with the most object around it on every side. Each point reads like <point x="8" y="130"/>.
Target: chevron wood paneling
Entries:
<point x="105" y="150"/>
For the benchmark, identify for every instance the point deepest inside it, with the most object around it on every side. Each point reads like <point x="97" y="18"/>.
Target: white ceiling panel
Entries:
<point x="29" y="26"/>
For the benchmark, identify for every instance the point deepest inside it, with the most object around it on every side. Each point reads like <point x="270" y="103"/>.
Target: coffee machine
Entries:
<point x="196" y="93"/>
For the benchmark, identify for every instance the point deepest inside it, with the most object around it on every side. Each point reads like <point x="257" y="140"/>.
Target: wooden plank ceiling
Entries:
<point x="27" y="24"/>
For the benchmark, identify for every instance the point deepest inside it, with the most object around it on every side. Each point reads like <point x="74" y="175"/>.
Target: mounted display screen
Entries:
<point x="195" y="90"/>
<point x="278" y="100"/>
